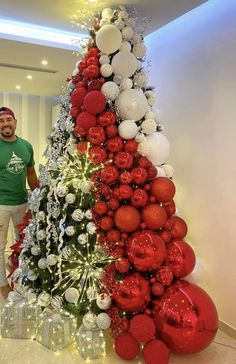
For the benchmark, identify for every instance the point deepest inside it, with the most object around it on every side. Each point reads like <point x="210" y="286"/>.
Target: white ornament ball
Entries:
<point x="56" y="302"/>
<point x="71" y="85"/>
<point x="41" y="215"/>
<point x="76" y="183"/>
<point x="139" y="50"/>
<point x="132" y="105"/>
<point x="41" y="234"/>
<point x="61" y="190"/>
<point x="122" y="13"/>
<point x="70" y="198"/>
<point x="108" y="39"/>
<point x="126" y="84"/>
<point x="74" y="72"/>
<point x="83" y="239"/>
<point x="137" y="38"/>
<point x="44" y="299"/>
<point x="148" y="126"/>
<point x="71" y="149"/>
<point x="89" y="320"/>
<point x="104" y="59"/>
<point x="127" y="33"/>
<point x="119" y="23"/>
<point x="128" y="129"/>
<point x="117" y="79"/>
<point x="35" y="250"/>
<point x="77" y="215"/>
<point x="160" y="172"/>
<point x="32" y="275"/>
<point x="169" y="170"/>
<point x="91" y="228"/>
<point x="72" y="295"/>
<point x="88" y="214"/>
<point x="110" y="90"/>
<point x="42" y="263"/>
<point x="141" y="79"/>
<point x="150" y="115"/>
<point x="107" y="13"/>
<point x="86" y="186"/>
<point x="103" y="301"/>
<point x="103" y="321"/>
<point x="155" y="147"/>
<point x="106" y="70"/>
<point x="124" y="63"/>
<point x="139" y="137"/>
<point x="70" y="230"/>
<point x="151" y="97"/>
<point x="52" y="259"/>
<point x="125" y="46"/>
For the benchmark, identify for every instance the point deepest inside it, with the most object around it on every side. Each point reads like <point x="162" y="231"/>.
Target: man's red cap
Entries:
<point x="6" y="111"/>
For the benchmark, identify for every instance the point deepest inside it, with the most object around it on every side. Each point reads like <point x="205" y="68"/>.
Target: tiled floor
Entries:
<point x="16" y="351"/>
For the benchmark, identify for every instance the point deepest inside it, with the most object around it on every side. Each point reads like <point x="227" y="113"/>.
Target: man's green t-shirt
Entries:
<point x="15" y="157"/>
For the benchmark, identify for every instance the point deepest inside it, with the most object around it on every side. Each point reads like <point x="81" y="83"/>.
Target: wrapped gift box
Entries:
<point x="18" y="319"/>
<point x="91" y="344"/>
<point x="56" y="330"/>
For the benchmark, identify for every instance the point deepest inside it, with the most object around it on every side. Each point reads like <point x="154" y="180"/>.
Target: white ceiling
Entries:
<point x="58" y="14"/>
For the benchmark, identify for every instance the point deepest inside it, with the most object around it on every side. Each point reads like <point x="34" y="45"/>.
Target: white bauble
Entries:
<point x="91" y="228"/>
<point x="71" y="85"/>
<point x="104" y="59"/>
<point x="110" y="90"/>
<point x="42" y="263"/>
<point x="119" y="23"/>
<point x="137" y="38"/>
<point x="88" y="214"/>
<point x="125" y="46"/>
<point x="41" y="215"/>
<point x="104" y="21"/>
<point x="127" y="33"/>
<point x="126" y="84"/>
<point x="77" y="215"/>
<point x="108" y="39"/>
<point x="150" y="115"/>
<point x="124" y="63"/>
<point x="141" y="79"/>
<point x="44" y="299"/>
<point x="61" y="190"/>
<point x="70" y="198"/>
<point x="122" y="13"/>
<point x="72" y="295"/>
<point x="56" y="302"/>
<point x="52" y="259"/>
<point x="41" y="234"/>
<point x="148" y="126"/>
<point x="82" y="239"/>
<point x="160" y="172"/>
<point x="103" y="301"/>
<point x="139" y="50"/>
<point x="86" y="186"/>
<point x="139" y="137"/>
<point x="76" y="183"/>
<point x="103" y="321"/>
<point x="32" y="275"/>
<point x="155" y="147"/>
<point x="35" y="250"/>
<point x="151" y="97"/>
<point x="132" y="105"/>
<point x="128" y="129"/>
<point x="169" y="170"/>
<point x="71" y="149"/>
<point x="70" y="230"/>
<point x="89" y="321"/>
<point x="117" y="79"/>
<point x="107" y="13"/>
<point x="66" y="252"/>
<point x="106" y="70"/>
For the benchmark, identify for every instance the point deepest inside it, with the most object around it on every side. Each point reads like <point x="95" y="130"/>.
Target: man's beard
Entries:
<point x="8" y="134"/>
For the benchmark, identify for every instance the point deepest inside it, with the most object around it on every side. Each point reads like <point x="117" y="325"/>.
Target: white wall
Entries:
<point x="193" y="68"/>
<point x="34" y="119"/>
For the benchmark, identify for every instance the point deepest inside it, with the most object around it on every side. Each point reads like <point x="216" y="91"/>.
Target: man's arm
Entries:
<point x="32" y="178"/>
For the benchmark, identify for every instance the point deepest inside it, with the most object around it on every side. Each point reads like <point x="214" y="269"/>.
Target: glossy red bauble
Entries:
<point x="154" y="216"/>
<point x="122" y="265"/>
<point x="156" y="352"/>
<point x="131" y="146"/>
<point x="139" y="175"/>
<point x="100" y="207"/>
<point x="181" y="258"/>
<point x="179" y="228"/>
<point x="115" y="144"/>
<point x="111" y="130"/>
<point x="109" y="174"/>
<point x="139" y="198"/>
<point x="123" y="160"/>
<point x="127" y="218"/>
<point x="107" y="118"/>
<point x="106" y="223"/>
<point x="163" y="189"/>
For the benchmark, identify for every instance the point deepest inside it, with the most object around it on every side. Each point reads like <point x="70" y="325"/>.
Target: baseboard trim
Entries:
<point x="227" y="329"/>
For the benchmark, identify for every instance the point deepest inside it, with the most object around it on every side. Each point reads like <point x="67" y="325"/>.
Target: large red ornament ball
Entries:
<point x="77" y="96"/>
<point x="139" y="198"/>
<point x="95" y="102"/>
<point x="163" y="189"/>
<point x="126" y="346"/>
<point x="107" y="118"/>
<point x="154" y="216"/>
<point x="179" y="228"/>
<point x="142" y="327"/>
<point x="146" y="250"/>
<point x="156" y="352"/>
<point x="127" y="218"/>
<point x="123" y="160"/>
<point x="97" y="155"/>
<point x="133" y="293"/>
<point x="96" y="135"/>
<point x="85" y="120"/>
<point x="186" y="318"/>
<point x="181" y="258"/>
<point x="139" y="175"/>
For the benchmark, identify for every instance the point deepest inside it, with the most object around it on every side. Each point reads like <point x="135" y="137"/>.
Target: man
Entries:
<point x="16" y="164"/>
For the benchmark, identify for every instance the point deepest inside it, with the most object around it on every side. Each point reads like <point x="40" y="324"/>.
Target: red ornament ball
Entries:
<point x="92" y="71"/>
<point x="113" y="236"/>
<point x="157" y="289"/>
<point x="96" y="135"/>
<point x="127" y="218"/>
<point x="100" y="208"/>
<point x="123" y="160"/>
<point x="146" y="251"/>
<point x="169" y="207"/>
<point x="139" y="175"/>
<point x="93" y="60"/>
<point x="115" y="144"/>
<point x="107" y="118"/>
<point x="154" y="216"/>
<point x="97" y="155"/>
<point x="125" y="177"/>
<point x="126" y="346"/>
<point x="131" y="146"/>
<point x="94" y="85"/>
<point x="74" y="111"/>
<point x="156" y="352"/>
<point x="181" y="258"/>
<point x="122" y="265"/>
<point x="179" y="228"/>
<point x="144" y="162"/>
<point x="82" y="147"/>
<point x="139" y="198"/>
<point x="85" y="120"/>
<point x="124" y="192"/>
<point x="111" y="130"/>
<point x="163" y="189"/>
<point x="106" y="223"/>
<point x="152" y="172"/>
<point x="94" y="102"/>
<point x="186" y="318"/>
<point x="77" y="96"/>
<point x="142" y="327"/>
<point x="113" y="203"/>
<point x="109" y="174"/>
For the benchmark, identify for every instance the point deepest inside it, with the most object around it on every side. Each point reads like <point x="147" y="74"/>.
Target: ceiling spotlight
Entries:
<point x="18" y="87"/>
<point x="44" y="62"/>
<point x="29" y="77"/>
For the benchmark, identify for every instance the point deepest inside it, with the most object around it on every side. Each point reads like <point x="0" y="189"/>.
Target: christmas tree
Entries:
<point x="105" y="241"/>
